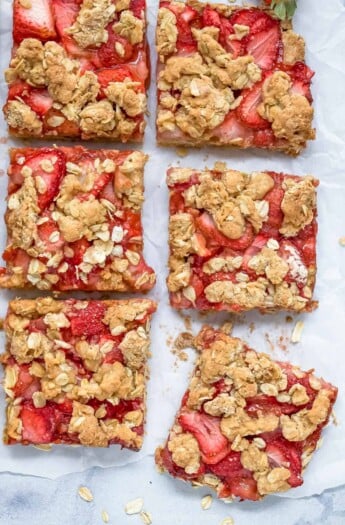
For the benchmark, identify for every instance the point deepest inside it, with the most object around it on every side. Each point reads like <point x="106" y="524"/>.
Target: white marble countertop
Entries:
<point x="36" y="501"/>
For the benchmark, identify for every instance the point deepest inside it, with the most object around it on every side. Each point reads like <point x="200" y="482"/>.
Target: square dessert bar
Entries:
<point x="241" y="241"/>
<point x="75" y="371"/>
<point x="231" y="76"/>
<point x="74" y="220"/>
<point x="248" y="426"/>
<point x="79" y="69"/>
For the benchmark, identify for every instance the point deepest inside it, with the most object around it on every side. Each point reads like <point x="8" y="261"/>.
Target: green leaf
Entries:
<point x="284" y="8"/>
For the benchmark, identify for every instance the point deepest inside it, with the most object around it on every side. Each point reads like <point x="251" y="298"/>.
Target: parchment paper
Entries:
<point x="322" y="346"/>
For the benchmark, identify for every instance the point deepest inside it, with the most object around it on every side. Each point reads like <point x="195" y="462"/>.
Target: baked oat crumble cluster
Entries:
<point x="248" y="425"/>
<point x="74" y="220"/>
<point x="231" y="76"/>
<point x="79" y="69"/>
<point x="75" y="371"/>
<point x="241" y="241"/>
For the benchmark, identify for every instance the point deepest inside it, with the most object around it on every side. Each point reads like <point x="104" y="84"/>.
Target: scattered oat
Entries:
<point x="105" y="516"/>
<point x="227" y="521"/>
<point x="206" y="502"/>
<point x="43" y="448"/>
<point x="146" y="517"/>
<point x="85" y="494"/>
<point x="135" y="506"/>
<point x="342" y="241"/>
<point x="181" y="152"/>
<point x="297" y="332"/>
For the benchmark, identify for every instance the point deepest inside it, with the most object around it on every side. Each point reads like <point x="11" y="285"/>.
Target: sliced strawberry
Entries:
<point x="298" y="271"/>
<point x="210" y="17"/>
<point x="264" y="47"/>
<point x="33" y="22"/>
<point x="302" y="88"/>
<point x="264" y="138"/>
<point x="26" y="384"/>
<point x="268" y="405"/>
<point x="49" y="233"/>
<point x="206" y="429"/>
<point x="232" y="129"/>
<point x="119" y="411"/>
<point x="254" y="18"/>
<point x="185" y="41"/>
<point x="117" y="74"/>
<point x="137" y="7"/>
<point x="228" y="467"/>
<point x="65" y="13"/>
<point x="89" y="321"/>
<point x="244" y="488"/>
<point x="247" y="111"/>
<point x="52" y="179"/>
<point x="208" y="228"/>
<point x="79" y="248"/>
<point x="39" y="100"/>
<point x="110" y="56"/>
<point x="18" y="89"/>
<point x="258" y="243"/>
<point x="275" y="214"/>
<point x="67" y="128"/>
<point x="300" y="71"/>
<point x="306" y="243"/>
<point x="66" y="407"/>
<point x="38" y="424"/>
<point x="282" y="453"/>
<point x="17" y="257"/>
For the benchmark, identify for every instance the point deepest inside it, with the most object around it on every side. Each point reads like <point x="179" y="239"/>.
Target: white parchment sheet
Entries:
<point x="322" y="345"/>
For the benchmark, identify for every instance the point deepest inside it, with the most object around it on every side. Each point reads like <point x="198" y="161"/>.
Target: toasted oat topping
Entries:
<point x="130" y="27"/>
<point x="20" y="115"/>
<point x="293" y="46"/>
<point x="166" y="32"/>
<point x="291" y="114"/>
<point x="89" y="28"/>
<point x="240" y="421"/>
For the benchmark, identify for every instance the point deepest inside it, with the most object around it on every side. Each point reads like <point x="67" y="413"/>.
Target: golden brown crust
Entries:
<point x="59" y="378"/>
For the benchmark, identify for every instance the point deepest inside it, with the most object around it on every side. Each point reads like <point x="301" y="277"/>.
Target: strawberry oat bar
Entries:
<point x="74" y="220"/>
<point x="248" y="426"/>
<point x="231" y="76"/>
<point x="79" y="69"/>
<point x="240" y="241"/>
<point x="75" y="371"/>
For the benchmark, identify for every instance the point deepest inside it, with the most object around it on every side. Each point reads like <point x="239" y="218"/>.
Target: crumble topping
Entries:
<point x="20" y="115"/>
<point x="298" y="205"/>
<point x="89" y="28"/>
<point x="130" y="27"/>
<point x="291" y="115"/>
<point x="23" y="214"/>
<point x="185" y="452"/>
<point x="293" y="47"/>
<point x="27" y="64"/>
<point x="166" y="32"/>
<point x="124" y="94"/>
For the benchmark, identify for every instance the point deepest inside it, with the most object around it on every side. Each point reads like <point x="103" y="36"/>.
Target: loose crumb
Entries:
<point x="334" y="419"/>
<point x="183" y="340"/>
<point x="288" y="319"/>
<point x="227" y="328"/>
<point x="181" y="152"/>
<point x="187" y="322"/>
<point x="251" y="330"/>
